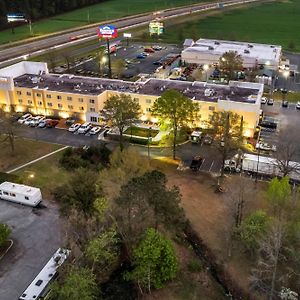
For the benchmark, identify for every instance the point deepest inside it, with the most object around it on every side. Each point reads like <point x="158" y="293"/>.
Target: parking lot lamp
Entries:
<point x="108" y="55"/>
<point x="149" y="140"/>
<point x="206" y="68"/>
<point x="286" y="75"/>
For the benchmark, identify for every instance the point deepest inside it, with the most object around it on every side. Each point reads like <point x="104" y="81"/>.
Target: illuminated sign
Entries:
<point x="156" y="28"/>
<point x="107" y="32"/>
<point x="16" y="18"/>
<point x="127" y="35"/>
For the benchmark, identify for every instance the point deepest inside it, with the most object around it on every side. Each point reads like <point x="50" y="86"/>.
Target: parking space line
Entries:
<point x="211" y="166"/>
<point x="202" y="164"/>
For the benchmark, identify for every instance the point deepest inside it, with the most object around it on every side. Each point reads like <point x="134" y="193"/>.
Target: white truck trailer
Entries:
<point x="19" y="193"/>
<point x="261" y="165"/>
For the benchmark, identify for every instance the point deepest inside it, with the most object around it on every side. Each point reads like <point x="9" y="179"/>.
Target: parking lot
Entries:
<point x="36" y="235"/>
<point x="134" y="65"/>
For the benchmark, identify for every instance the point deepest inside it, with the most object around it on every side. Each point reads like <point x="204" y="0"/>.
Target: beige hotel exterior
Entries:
<point x="28" y="86"/>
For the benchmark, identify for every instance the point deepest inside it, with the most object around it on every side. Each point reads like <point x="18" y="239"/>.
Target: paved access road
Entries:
<point x="13" y="54"/>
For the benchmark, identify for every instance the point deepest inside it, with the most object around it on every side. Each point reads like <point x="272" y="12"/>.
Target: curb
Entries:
<point x="11" y="244"/>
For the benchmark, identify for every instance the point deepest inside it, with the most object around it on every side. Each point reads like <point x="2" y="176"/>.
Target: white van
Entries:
<point x="24" y="118"/>
<point x="20" y="193"/>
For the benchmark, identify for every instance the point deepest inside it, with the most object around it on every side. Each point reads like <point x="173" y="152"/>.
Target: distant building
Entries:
<point x="205" y="51"/>
<point x="27" y="86"/>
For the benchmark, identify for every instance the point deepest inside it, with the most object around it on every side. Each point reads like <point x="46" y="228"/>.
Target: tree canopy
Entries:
<point x="4" y="233"/>
<point x="229" y="63"/>
<point x="176" y="109"/>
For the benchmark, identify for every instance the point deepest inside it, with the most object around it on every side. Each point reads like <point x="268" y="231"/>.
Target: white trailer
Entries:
<point x="39" y="287"/>
<point x="19" y="193"/>
<point x="261" y="165"/>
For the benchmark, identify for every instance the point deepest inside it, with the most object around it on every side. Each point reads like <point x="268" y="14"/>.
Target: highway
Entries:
<point x="38" y="47"/>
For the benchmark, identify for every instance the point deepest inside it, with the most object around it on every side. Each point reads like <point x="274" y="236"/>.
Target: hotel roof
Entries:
<point x="219" y="47"/>
<point x="235" y="91"/>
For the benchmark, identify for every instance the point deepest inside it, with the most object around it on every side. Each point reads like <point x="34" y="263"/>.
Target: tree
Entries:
<point x="51" y="60"/>
<point x="229" y="63"/>
<point x="68" y="59"/>
<point x="101" y="59"/>
<point x="177" y="109"/>
<point x="7" y="128"/>
<point x="4" y="233"/>
<point x="118" y="67"/>
<point x="79" y="283"/>
<point x="285" y="154"/>
<point x="226" y="127"/>
<point x="252" y="229"/>
<point x="79" y="192"/>
<point x="103" y="250"/>
<point x="121" y="110"/>
<point x="154" y="261"/>
<point x="291" y="45"/>
<point x="123" y="166"/>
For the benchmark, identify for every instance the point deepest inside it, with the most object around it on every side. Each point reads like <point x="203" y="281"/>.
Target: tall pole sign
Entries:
<point x="107" y="32"/>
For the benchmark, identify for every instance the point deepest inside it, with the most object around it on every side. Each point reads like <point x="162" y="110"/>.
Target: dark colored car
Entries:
<point x="196" y="163"/>
<point x="149" y="50"/>
<point x="51" y="123"/>
<point x="285" y="103"/>
<point x="268" y="124"/>
<point x="208" y="139"/>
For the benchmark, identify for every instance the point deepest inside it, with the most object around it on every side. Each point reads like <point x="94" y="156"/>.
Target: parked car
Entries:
<point x="208" y="139"/>
<point x="84" y="128"/>
<point x="265" y="146"/>
<point x="36" y="120"/>
<point x="24" y="118"/>
<point x="149" y="50"/>
<point x="298" y="105"/>
<point x="157" y="48"/>
<point x="145" y="53"/>
<point x="285" y="103"/>
<point x="157" y="63"/>
<point x="264" y="100"/>
<point x="70" y="121"/>
<point x="74" y="127"/>
<point x="141" y="56"/>
<point x="196" y="163"/>
<point x="43" y="123"/>
<point x="270" y="102"/>
<point x="95" y="130"/>
<point x="52" y="123"/>
<point x="28" y="121"/>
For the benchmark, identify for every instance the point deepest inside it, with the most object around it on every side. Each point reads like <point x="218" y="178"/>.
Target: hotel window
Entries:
<point x="29" y="102"/>
<point x="19" y="93"/>
<point x="20" y="101"/>
<point x="148" y="109"/>
<point x="81" y="108"/>
<point x="212" y="108"/>
<point x="59" y="97"/>
<point x="93" y="119"/>
<point x="80" y="99"/>
<point x="59" y="105"/>
<point x="92" y="109"/>
<point x="149" y="101"/>
<point x="49" y="104"/>
<point x="69" y="98"/>
<point x="70" y="106"/>
<point x="40" y="103"/>
<point x="38" y="95"/>
<point x="92" y="100"/>
<point x="28" y="93"/>
<point x="48" y="96"/>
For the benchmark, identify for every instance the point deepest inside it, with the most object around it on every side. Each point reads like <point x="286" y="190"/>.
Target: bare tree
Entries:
<point x="68" y="59"/>
<point x="51" y="59"/>
<point x="7" y="129"/>
<point x="285" y="154"/>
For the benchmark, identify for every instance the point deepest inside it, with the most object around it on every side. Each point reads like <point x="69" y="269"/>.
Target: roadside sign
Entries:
<point x="156" y="28"/>
<point x="107" y="32"/>
<point x="17" y="17"/>
<point x="127" y="35"/>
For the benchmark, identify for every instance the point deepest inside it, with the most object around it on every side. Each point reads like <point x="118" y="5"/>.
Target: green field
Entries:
<point x="107" y="10"/>
<point x="274" y="23"/>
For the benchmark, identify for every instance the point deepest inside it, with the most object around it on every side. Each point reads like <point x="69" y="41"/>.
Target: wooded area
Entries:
<point x="39" y="9"/>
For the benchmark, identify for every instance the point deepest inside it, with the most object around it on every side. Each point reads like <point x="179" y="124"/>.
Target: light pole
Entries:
<point x="149" y="140"/>
<point x="206" y="68"/>
<point x="286" y="76"/>
<point x="258" y="153"/>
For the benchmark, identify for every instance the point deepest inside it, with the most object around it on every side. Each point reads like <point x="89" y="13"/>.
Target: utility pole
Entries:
<point x="258" y="154"/>
<point x="109" y="60"/>
<point x="30" y="27"/>
<point x="149" y="139"/>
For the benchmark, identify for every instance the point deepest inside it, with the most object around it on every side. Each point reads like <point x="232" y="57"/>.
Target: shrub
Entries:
<point x="195" y="266"/>
<point x="4" y="233"/>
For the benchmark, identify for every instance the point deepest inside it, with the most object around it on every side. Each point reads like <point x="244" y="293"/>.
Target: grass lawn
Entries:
<point x="25" y="151"/>
<point x="292" y="97"/>
<point x="274" y="23"/>
<point x="101" y="12"/>
<point x="137" y="131"/>
<point x="47" y="174"/>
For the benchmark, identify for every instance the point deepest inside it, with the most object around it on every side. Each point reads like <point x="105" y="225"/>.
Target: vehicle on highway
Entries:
<point x="40" y="287"/>
<point x="285" y="103"/>
<point x="263" y="100"/>
<point x="196" y="163"/>
<point x="298" y="105"/>
<point x="84" y="128"/>
<point x="74" y="127"/>
<point x="95" y="130"/>
<point x="51" y="123"/>
<point x="43" y="123"/>
<point x="36" y="120"/>
<point x="208" y="139"/>
<point x="265" y="146"/>
<point x="270" y="102"/>
<point x="24" y="118"/>
<point x="19" y="193"/>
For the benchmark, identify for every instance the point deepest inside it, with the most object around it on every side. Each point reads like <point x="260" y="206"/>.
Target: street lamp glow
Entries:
<point x="267" y="63"/>
<point x="286" y="74"/>
<point x="31" y="176"/>
<point x="103" y="59"/>
<point x="223" y="59"/>
<point x="205" y="67"/>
